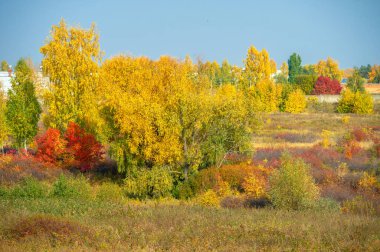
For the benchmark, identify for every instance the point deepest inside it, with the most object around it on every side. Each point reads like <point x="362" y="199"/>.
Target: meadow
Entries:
<point x="90" y="211"/>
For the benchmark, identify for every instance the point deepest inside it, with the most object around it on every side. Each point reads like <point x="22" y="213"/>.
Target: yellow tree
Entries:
<point x="374" y="75"/>
<point x="71" y="61"/>
<point x="329" y="68"/>
<point x="258" y="66"/>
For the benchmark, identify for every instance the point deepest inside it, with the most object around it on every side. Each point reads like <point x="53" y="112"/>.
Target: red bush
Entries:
<point x="87" y="151"/>
<point x="325" y="85"/>
<point x="51" y="146"/>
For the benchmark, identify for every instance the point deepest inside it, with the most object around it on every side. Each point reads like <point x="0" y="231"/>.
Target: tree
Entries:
<point x="265" y="96"/>
<point x="4" y="66"/>
<point x="258" y="66"/>
<point x="3" y="124"/>
<point x="71" y="61"/>
<point x="355" y="102"/>
<point x="284" y="75"/>
<point x="291" y="186"/>
<point x="83" y="146"/>
<point x="23" y="110"/>
<point x="325" y="85"/>
<point x="51" y="146"/>
<point x="364" y="71"/>
<point x="295" y="67"/>
<point x="374" y="75"/>
<point x="305" y="82"/>
<point x="355" y="82"/>
<point x="329" y="68"/>
<point x="296" y="102"/>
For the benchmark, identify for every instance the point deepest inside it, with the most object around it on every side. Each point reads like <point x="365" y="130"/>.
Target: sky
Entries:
<point x="348" y="31"/>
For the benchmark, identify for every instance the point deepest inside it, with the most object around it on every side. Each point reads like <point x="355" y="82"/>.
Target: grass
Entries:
<point x="99" y="225"/>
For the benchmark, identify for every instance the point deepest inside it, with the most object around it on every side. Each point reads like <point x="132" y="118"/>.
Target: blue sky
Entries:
<point x="348" y="31"/>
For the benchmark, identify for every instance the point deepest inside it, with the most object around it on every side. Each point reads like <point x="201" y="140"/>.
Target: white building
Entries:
<point x="5" y="79"/>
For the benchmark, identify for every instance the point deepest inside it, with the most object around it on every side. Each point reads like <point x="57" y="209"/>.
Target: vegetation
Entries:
<point x="140" y="154"/>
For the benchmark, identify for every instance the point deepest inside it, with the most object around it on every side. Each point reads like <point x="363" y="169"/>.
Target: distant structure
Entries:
<point x="5" y="79"/>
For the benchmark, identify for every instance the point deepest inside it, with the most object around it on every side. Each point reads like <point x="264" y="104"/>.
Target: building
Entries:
<point x="5" y="80"/>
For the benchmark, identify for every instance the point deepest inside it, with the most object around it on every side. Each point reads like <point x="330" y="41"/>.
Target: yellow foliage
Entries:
<point x="373" y="76"/>
<point x="258" y="66"/>
<point x="71" y="61"/>
<point x="296" y="102"/>
<point x="326" y="135"/>
<point x="254" y="186"/>
<point x="265" y="96"/>
<point x="367" y="182"/>
<point x="208" y="199"/>
<point x="346" y="119"/>
<point x="329" y="68"/>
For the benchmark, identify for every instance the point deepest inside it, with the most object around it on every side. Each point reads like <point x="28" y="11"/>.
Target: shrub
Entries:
<point x="346" y="119"/>
<point x="232" y="201"/>
<point x="255" y="186"/>
<point x="154" y="183"/>
<point x="306" y="82"/>
<point x="367" y="182"/>
<point x="296" y="102"/>
<point x="326" y="135"/>
<point x="84" y="147"/>
<point x="326" y="204"/>
<point x="29" y="188"/>
<point x="51" y="146"/>
<point x="358" y="103"/>
<point x="358" y="205"/>
<point x="77" y="188"/>
<point x="325" y="85"/>
<point x="209" y="199"/>
<point x="109" y="192"/>
<point x="291" y="185"/>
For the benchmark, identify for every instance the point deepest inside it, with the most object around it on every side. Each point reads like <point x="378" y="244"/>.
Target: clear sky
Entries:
<point x="348" y="31"/>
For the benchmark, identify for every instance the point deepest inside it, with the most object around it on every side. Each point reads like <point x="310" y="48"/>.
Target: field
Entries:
<point x="87" y="222"/>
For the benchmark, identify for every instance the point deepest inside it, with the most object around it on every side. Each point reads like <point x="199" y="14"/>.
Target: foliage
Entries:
<point x="367" y="182"/>
<point x="109" y="192"/>
<point x="295" y="67"/>
<point x="83" y="146"/>
<point x="358" y="205"/>
<point x="284" y="75"/>
<point x="4" y="129"/>
<point x="4" y="65"/>
<point x="325" y="85"/>
<point x="71" y="59"/>
<point x="144" y="183"/>
<point x="355" y="82"/>
<point x="326" y="138"/>
<point x="255" y="186"/>
<point x="208" y="199"/>
<point x="265" y="96"/>
<point x="305" y="82"/>
<point x="286" y="89"/>
<point x="329" y="68"/>
<point x="194" y="125"/>
<point x="258" y="66"/>
<point x="358" y="102"/>
<point x="374" y="75"/>
<point x="364" y="71"/>
<point x="71" y="188"/>
<point x="29" y="188"/>
<point x="296" y="102"/>
<point x="51" y="146"/>
<point x="23" y="110"/>
<point x="291" y="185"/>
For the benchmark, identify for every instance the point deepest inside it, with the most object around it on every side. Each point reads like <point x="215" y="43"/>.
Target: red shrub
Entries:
<point x="87" y="151"/>
<point x="51" y="146"/>
<point x="325" y="85"/>
<point x="360" y="135"/>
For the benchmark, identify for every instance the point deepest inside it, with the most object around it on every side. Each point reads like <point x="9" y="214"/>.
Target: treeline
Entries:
<point x="164" y="113"/>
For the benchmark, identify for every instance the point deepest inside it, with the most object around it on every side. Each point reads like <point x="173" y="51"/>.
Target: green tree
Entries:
<point x="356" y="82"/>
<point x="364" y="71"/>
<point x="295" y="67"/>
<point x="23" y="110"/>
<point x="3" y="124"/>
<point x="292" y="187"/>
<point x="4" y="66"/>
